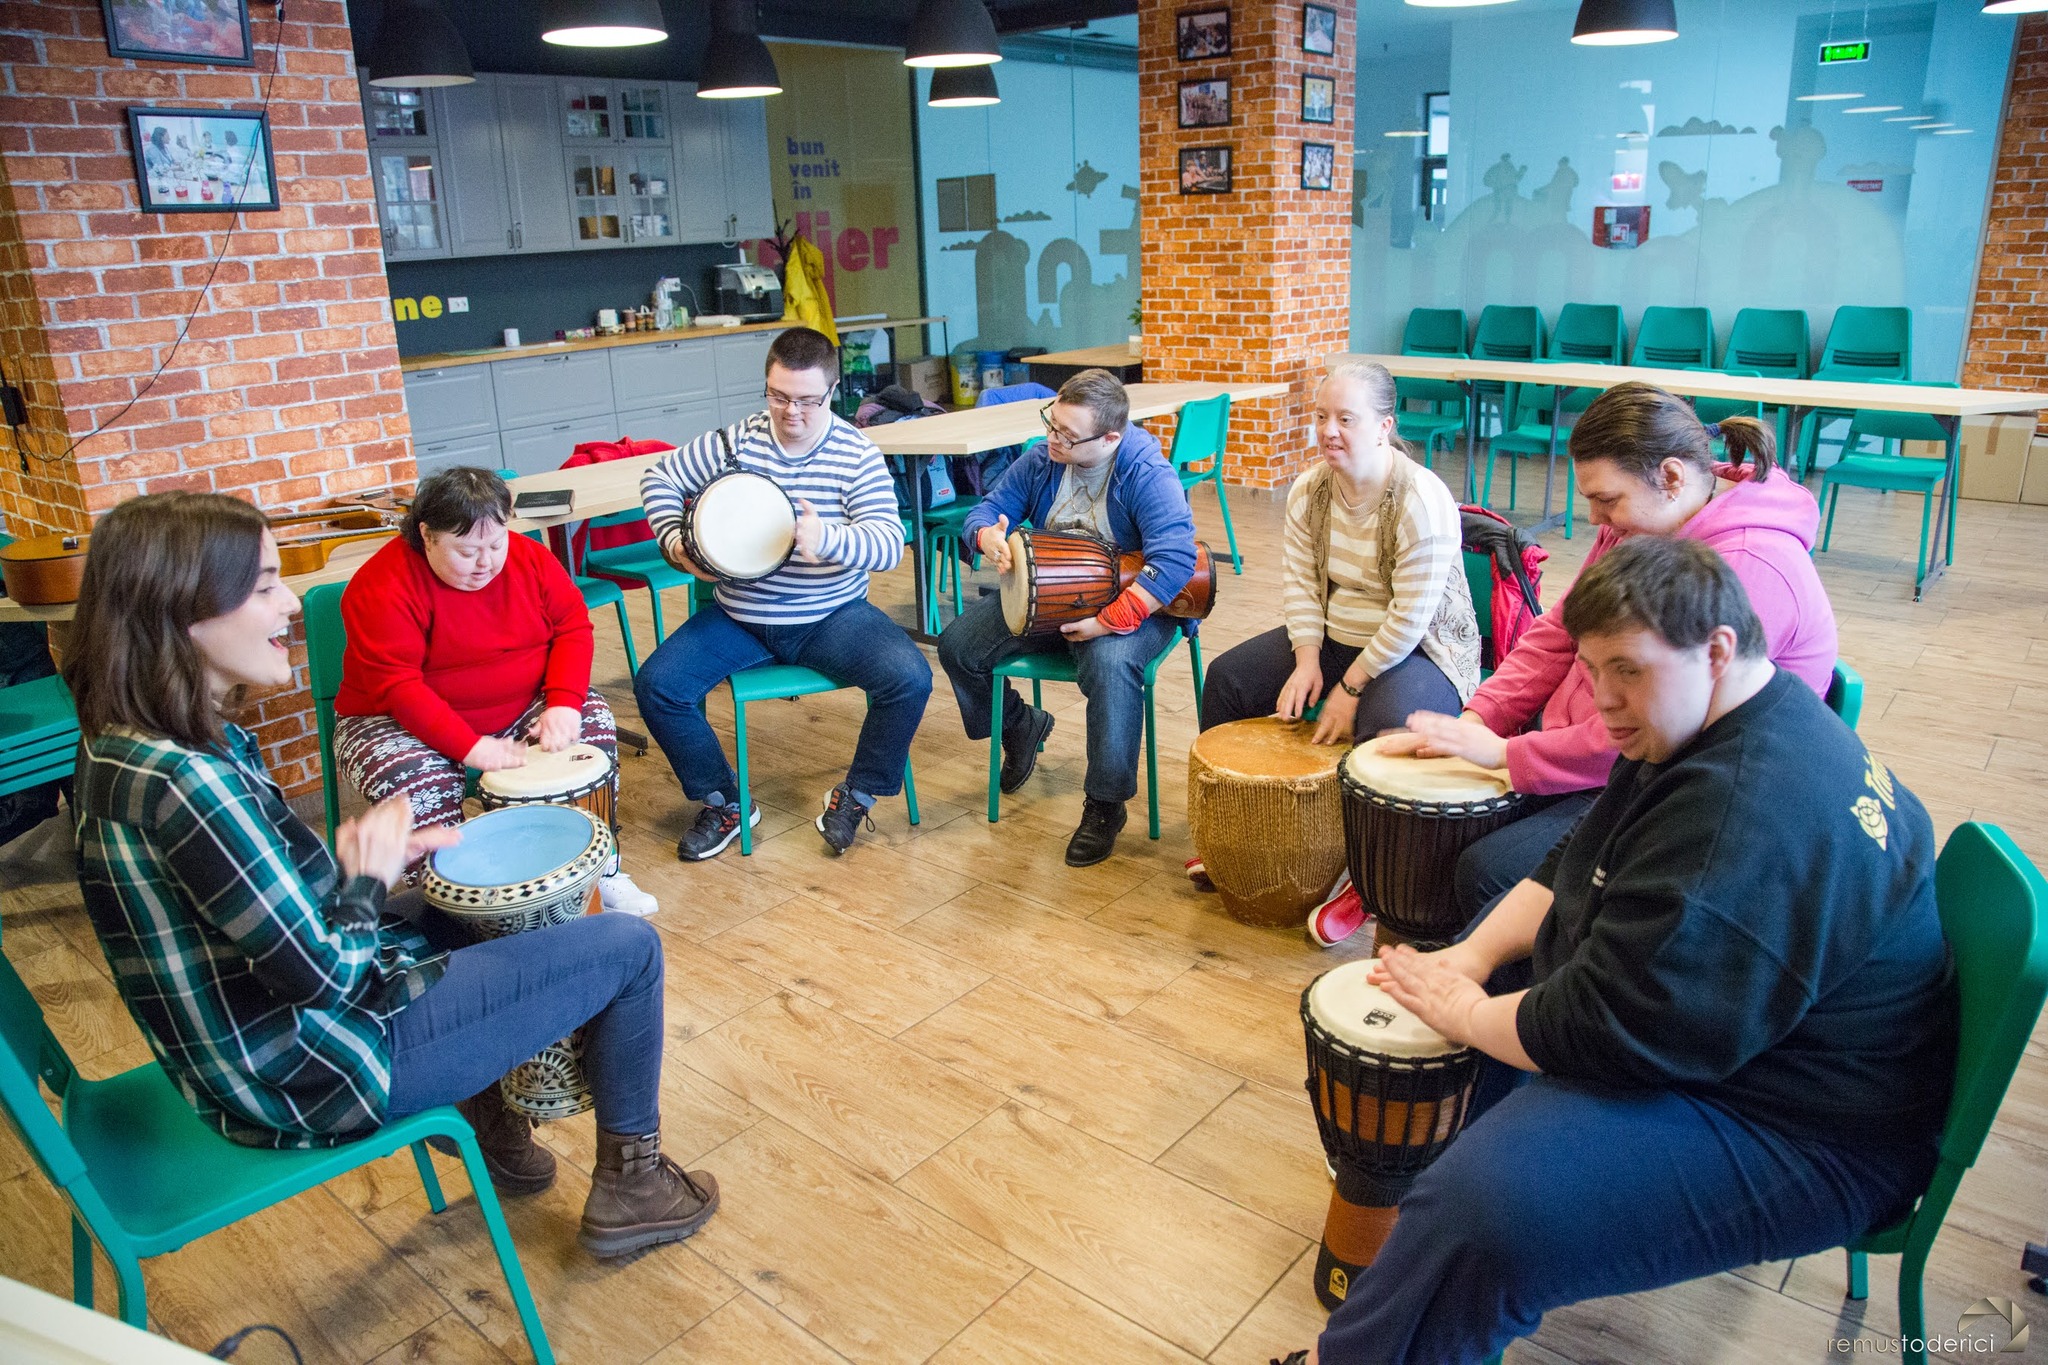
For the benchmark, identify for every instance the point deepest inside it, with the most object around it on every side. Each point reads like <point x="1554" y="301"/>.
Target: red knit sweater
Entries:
<point x="452" y="666"/>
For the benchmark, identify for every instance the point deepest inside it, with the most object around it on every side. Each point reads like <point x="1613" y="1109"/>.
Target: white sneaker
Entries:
<point x="620" y="897"/>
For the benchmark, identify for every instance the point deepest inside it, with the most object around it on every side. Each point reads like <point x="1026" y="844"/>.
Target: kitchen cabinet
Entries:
<point x="742" y="361"/>
<point x="552" y="387"/>
<point x="455" y="402"/>
<point x="663" y="372"/>
<point x="722" y="166"/>
<point x="539" y="449"/>
<point x="749" y="200"/>
<point x="479" y="209"/>
<point x="677" y="423"/>
<point x="482" y="451"/>
<point x="533" y="167"/>
<point x="405" y="166"/>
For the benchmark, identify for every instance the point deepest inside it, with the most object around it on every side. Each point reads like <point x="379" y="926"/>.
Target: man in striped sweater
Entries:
<point x="813" y="611"/>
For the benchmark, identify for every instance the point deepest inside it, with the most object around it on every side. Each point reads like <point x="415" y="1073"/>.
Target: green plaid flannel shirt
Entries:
<point x="263" y="984"/>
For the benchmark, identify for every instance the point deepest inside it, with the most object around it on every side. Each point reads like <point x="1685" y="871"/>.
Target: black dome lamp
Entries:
<point x="417" y="47"/>
<point x="1619" y="23"/>
<point x="602" y="23"/>
<point x="951" y="33"/>
<point x="963" y="87"/>
<point x="2014" y="6"/>
<point x="737" y="64"/>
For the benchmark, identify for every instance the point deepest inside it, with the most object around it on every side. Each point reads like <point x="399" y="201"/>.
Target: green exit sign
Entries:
<point x="1831" y="53"/>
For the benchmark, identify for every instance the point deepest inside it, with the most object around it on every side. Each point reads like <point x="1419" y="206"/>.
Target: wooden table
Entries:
<point x="1056" y="367"/>
<point x="1800" y="396"/>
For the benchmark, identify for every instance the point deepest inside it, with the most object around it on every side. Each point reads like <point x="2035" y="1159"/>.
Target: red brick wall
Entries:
<point x="1254" y="284"/>
<point x="2006" y="325"/>
<point x="286" y="390"/>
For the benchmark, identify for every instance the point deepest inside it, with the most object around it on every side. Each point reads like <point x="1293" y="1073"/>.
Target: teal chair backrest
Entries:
<point x="28" y="1051"/>
<point x="1845" y="694"/>
<point x="1201" y="430"/>
<point x="326" y="646"/>
<point x="1508" y="332"/>
<point x="1592" y="332"/>
<point x="1479" y="578"/>
<point x="1434" y="331"/>
<point x="1896" y="426"/>
<point x="1873" y="343"/>
<point x="1770" y="341"/>
<point x="1675" y="338"/>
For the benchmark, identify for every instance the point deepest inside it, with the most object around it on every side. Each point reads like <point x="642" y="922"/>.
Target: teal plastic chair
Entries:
<point x="941" y="556"/>
<point x="1199" y="435"/>
<point x="1894" y="473"/>
<point x="774" y="682"/>
<point x="1845" y="693"/>
<point x="1534" y="408"/>
<point x="1479" y="578"/>
<point x="326" y="646"/>
<point x="1994" y="913"/>
<point x="1059" y="667"/>
<point x="1505" y="332"/>
<point x="38" y="734"/>
<point x="597" y="592"/>
<point x="640" y="563"/>
<point x="1865" y="345"/>
<point x="1589" y="334"/>
<point x="1675" y="339"/>
<point x="141" y="1175"/>
<point x="1772" y="342"/>
<point x="1438" y="332"/>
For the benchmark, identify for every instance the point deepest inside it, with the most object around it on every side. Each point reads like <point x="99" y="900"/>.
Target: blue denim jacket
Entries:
<point x="1148" y="511"/>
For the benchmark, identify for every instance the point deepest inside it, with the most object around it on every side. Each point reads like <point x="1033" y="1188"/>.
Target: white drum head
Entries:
<point x="1437" y="780"/>
<point x="1349" y="1007"/>
<point x="744" y="526"/>
<point x="1016" y="585"/>
<point x="547" y="775"/>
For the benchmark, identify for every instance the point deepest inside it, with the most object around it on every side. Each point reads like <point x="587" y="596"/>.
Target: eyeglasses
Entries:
<point x="787" y="404"/>
<point x="1056" y="436"/>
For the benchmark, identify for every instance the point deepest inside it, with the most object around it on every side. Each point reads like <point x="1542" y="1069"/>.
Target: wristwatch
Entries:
<point x="1345" y="683"/>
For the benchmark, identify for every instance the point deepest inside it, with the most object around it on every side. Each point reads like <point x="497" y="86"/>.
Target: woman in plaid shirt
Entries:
<point x="288" y="999"/>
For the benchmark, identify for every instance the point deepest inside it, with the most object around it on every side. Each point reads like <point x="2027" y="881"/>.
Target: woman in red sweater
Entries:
<point x="465" y="643"/>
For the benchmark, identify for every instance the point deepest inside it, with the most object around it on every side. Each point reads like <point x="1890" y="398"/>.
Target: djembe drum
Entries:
<point x="580" y="776"/>
<point x="520" y="868"/>
<point x="1056" y="577"/>
<point x="1266" y="817"/>
<point x="1390" y="1093"/>
<point x="1406" y="820"/>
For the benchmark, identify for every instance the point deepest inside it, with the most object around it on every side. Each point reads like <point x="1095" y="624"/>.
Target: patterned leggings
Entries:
<point x="382" y="759"/>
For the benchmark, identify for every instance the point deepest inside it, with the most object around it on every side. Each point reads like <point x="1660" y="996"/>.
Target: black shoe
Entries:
<point x="1020" y="754"/>
<point x="1101" y="822"/>
<point x="716" y="827"/>
<point x="842" y="819"/>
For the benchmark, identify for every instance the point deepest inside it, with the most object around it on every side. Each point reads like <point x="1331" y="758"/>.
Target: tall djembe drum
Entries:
<point x="1266" y="818"/>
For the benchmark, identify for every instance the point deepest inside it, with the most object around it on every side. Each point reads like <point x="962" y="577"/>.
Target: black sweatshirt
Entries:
<point x="1752" y="921"/>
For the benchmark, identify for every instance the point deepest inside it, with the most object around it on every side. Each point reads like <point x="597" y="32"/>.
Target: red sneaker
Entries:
<point x="1198" y="873"/>
<point x="1340" y="915"/>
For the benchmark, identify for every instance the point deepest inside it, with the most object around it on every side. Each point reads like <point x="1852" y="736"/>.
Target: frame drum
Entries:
<point x="740" y="527"/>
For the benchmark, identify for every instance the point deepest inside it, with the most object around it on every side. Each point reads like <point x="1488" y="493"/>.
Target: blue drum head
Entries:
<point x="516" y="844"/>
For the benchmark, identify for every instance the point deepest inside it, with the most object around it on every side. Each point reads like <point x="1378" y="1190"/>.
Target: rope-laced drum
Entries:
<point x="1266" y="818"/>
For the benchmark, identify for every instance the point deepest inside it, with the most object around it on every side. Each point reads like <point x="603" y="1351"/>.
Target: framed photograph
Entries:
<point x="212" y="31"/>
<point x="1319" y="30"/>
<point x="1318" y="99"/>
<point x="203" y="160"/>
<point x="1204" y="33"/>
<point x="1205" y="170"/>
<point x="1205" y="104"/>
<point x="1318" y="166"/>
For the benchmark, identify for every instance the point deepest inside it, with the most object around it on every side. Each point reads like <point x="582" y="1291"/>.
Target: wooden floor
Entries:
<point x="970" y="1105"/>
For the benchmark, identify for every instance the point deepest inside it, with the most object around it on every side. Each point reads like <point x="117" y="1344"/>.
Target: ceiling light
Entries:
<point x="416" y="47"/>
<point x="1874" y="109"/>
<point x="1407" y="132"/>
<point x="1460" y="4"/>
<point x="2002" y="6"/>
<point x="602" y="23"/>
<point x="1951" y="132"/>
<point x="1618" y="23"/>
<point x="1816" y="99"/>
<point x="1909" y="118"/>
<point x="737" y="64"/>
<point x="951" y="33"/>
<point x="1930" y="127"/>
<point x="963" y="87"/>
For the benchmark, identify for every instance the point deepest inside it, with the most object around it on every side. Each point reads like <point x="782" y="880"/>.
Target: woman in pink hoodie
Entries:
<point x="1644" y="464"/>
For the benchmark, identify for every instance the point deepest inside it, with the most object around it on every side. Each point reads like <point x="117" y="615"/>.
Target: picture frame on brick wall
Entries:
<point x="1202" y="34"/>
<point x="1205" y="104"/>
<point x="1318" y="99"/>
<point x="212" y="31"/>
<point x="1318" y="166"/>
<point x="1319" y="30"/>
<point x="203" y="161"/>
<point x="1205" y="170"/>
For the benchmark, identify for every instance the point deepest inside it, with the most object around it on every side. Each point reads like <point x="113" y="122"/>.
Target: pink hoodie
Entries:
<point x="1765" y="531"/>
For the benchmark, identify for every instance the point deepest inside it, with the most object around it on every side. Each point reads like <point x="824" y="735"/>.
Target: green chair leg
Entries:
<point x="508" y="1257"/>
<point x="1920" y="568"/>
<point x="430" y="1181"/>
<point x="1859" y="1276"/>
<point x="1152" y="763"/>
<point x="1229" y="532"/>
<point x="1912" y="1304"/>
<point x="1571" y="491"/>
<point x="1195" y="657"/>
<point x="1828" y="532"/>
<point x="995" y="750"/>
<point x="81" y="1264"/>
<point x="654" y="601"/>
<point x="626" y="636"/>
<point x="910" y="791"/>
<point x="739" y="744"/>
<point x="134" y="1299"/>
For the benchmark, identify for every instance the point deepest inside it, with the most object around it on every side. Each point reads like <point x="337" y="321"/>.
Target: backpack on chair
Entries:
<point x="1517" y="563"/>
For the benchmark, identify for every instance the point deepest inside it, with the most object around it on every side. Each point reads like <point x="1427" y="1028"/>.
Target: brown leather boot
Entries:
<point x="518" y="1164"/>
<point x="640" y="1198"/>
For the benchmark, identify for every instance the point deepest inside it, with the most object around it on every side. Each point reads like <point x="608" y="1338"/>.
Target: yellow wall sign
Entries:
<point x="412" y="310"/>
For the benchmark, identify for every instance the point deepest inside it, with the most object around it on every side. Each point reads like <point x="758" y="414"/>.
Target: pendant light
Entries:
<point x="737" y="64"/>
<point x="602" y="23"/>
<point x="2014" y="6"/>
<point x="1618" y="23"/>
<point x="963" y="87"/>
<point x="417" y="47"/>
<point x="951" y="33"/>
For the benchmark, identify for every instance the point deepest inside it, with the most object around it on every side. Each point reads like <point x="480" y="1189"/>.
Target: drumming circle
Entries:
<point x="558" y="777"/>
<point x="742" y="527"/>
<point x="1266" y="818"/>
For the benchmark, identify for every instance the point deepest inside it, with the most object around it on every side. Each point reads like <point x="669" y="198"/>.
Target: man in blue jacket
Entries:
<point x="1098" y="475"/>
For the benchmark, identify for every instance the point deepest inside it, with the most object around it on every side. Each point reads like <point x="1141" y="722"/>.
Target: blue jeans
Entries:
<point x="503" y="1000"/>
<point x="1110" y="670"/>
<point x="1244" y="682"/>
<point x="856" y="644"/>
<point x="1490" y="868"/>
<point x="1566" y="1191"/>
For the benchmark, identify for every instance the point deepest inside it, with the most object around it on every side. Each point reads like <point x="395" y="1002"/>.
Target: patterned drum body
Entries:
<point x="1266" y="817"/>
<point x="741" y="527"/>
<point x="519" y="868"/>
<point x="1390" y="1093"/>
<point x="1406" y="820"/>
<point x="1059" y="576"/>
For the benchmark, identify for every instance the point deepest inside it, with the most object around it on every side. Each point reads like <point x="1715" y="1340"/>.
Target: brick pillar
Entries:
<point x="286" y="389"/>
<point x="2008" y="320"/>
<point x="1254" y="284"/>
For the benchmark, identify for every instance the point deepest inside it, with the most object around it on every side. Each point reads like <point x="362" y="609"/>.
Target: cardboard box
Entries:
<point x="927" y="377"/>
<point x="2034" y="484"/>
<point x="1994" y="455"/>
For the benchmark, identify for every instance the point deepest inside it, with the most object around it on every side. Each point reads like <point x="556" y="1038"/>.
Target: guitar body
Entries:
<point x="44" y="571"/>
<point x="306" y="539"/>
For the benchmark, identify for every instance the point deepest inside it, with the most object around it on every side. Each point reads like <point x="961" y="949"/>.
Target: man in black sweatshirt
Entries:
<point x="1742" y="1019"/>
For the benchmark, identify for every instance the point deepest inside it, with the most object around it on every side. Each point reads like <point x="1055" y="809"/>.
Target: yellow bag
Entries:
<point x="804" y="298"/>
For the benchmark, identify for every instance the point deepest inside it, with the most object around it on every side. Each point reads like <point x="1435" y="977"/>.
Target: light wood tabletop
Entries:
<point x="1108" y="357"/>
<point x="973" y="430"/>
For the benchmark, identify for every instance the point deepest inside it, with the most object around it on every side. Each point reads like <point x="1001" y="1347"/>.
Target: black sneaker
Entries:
<point x="1020" y="756"/>
<point x="843" y="818"/>
<point x="1101" y="822"/>
<point x="716" y="827"/>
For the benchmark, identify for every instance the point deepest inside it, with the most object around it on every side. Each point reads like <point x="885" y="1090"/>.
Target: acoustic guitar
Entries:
<point x="43" y="571"/>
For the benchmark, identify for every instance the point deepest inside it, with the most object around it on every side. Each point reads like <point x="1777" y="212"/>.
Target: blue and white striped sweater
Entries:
<point x="843" y="478"/>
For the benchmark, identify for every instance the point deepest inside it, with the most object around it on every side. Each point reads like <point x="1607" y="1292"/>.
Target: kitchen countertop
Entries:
<point x="445" y="359"/>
